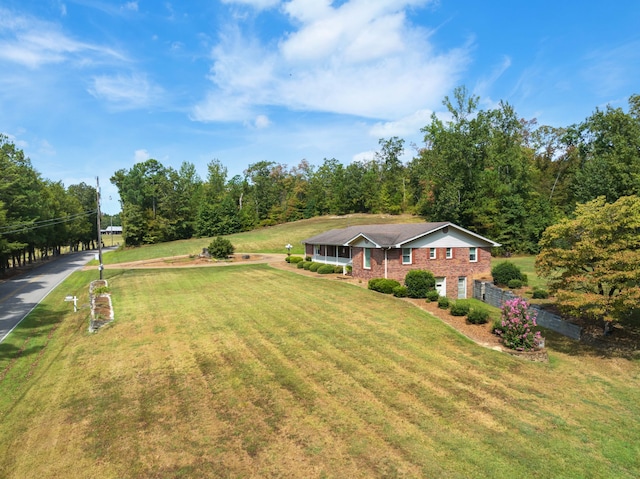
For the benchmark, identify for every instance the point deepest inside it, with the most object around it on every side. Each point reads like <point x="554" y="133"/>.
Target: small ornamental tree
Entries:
<point x="221" y="248"/>
<point x="516" y="327"/>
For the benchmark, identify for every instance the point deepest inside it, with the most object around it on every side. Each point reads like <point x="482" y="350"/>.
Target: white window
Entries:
<point x="449" y="253"/>
<point x="473" y="254"/>
<point x="406" y="255"/>
<point x="432" y="253"/>
<point x="366" y="261"/>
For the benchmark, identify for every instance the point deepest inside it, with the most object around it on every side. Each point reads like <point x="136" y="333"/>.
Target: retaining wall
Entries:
<point x="495" y="296"/>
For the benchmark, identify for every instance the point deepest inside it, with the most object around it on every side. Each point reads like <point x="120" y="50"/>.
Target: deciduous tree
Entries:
<point x="592" y="261"/>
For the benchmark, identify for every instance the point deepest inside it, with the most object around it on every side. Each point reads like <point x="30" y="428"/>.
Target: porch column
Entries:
<point x="385" y="264"/>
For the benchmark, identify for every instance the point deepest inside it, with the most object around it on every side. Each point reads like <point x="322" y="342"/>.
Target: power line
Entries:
<point x="24" y="227"/>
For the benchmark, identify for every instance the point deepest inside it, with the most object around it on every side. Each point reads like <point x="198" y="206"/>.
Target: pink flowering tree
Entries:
<point x="517" y="326"/>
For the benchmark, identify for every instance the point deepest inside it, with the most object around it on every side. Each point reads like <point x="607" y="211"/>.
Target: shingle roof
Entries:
<point x="382" y="235"/>
<point x="385" y="236"/>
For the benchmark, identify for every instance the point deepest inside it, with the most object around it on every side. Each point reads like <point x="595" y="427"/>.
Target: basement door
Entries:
<point x="462" y="287"/>
<point x="441" y="286"/>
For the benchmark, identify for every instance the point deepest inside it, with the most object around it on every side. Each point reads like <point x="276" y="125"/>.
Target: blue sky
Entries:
<point x="91" y="86"/>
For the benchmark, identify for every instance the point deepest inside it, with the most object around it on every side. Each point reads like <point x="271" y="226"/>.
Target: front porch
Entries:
<point x="329" y="254"/>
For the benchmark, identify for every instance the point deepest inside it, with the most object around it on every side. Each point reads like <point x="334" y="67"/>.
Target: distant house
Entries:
<point x="453" y="254"/>
<point x="112" y="230"/>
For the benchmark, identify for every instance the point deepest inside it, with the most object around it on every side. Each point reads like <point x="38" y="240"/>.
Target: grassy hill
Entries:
<point x="271" y="239"/>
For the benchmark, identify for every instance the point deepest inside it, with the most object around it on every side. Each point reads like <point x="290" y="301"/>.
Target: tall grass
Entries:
<point x="248" y="371"/>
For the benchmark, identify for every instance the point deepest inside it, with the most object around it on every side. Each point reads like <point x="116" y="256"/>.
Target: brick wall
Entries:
<point x="458" y="266"/>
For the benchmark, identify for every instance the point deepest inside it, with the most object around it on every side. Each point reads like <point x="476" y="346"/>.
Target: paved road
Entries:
<point x="19" y="295"/>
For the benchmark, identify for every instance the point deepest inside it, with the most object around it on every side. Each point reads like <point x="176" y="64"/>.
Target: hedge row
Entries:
<point x="462" y="307"/>
<point x="319" y="268"/>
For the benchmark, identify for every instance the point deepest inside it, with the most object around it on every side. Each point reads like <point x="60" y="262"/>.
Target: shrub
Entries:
<point x="505" y="271"/>
<point x="517" y="326"/>
<point x="307" y="258"/>
<point x="419" y="282"/>
<point x="496" y="328"/>
<point x="314" y="266"/>
<point x="307" y="265"/>
<point x="338" y="269"/>
<point x="325" y="269"/>
<point x="433" y="295"/>
<point x="514" y="284"/>
<point x="478" y="316"/>
<point x="101" y="290"/>
<point x="300" y="264"/>
<point x="460" y="308"/>
<point x="443" y="302"/>
<point x="540" y="293"/>
<point x="383" y="285"/>
<point x="295" y="259"/>
<point x="221" y="248"/>
<point x="349" y="269"/>
<point x="400" y="292"/>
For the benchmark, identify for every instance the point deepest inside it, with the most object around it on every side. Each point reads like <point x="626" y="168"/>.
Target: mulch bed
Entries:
<point x="479" y="333"/>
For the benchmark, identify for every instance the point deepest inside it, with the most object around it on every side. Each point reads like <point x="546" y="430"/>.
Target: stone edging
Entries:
<point x="99" y="319"/>
<point x="537" y="356"/>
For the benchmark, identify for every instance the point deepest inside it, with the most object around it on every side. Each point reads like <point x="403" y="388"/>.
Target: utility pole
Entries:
<point x="99" y="232"/>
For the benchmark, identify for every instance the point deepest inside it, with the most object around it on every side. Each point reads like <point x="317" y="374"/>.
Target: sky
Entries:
<point x="88" y="87"/>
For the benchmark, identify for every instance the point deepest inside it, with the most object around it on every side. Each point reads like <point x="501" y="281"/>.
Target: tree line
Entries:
<point x="486" y="170"/>
<point x="39" y="217"/>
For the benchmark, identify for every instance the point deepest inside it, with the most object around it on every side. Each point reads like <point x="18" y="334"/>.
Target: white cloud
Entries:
<point x="32" y="42"/>
<point x="45" y="148"/>
<point x="402" y="127"/>
<point x="262" y="121"/>
<point x="242" y="74"/>
<point x="258" y="4"/>
<point x="141" y="156"/>
<point x="132" y="6"/>
<point x="125" y="92"/>
<point x="610" y="69"/>
<point x="364" y="156"/>
<point x="485" y="84"/>
<point x="360" y="58"/>
<point x="22" y="144"/>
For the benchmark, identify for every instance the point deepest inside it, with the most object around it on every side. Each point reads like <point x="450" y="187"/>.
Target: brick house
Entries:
<point x="453" y="254"/>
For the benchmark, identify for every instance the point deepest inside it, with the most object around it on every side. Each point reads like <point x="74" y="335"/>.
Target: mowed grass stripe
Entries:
<point x="253" y="312"/>
<point x="251" y="371"/>
<point x="350" y="348"/>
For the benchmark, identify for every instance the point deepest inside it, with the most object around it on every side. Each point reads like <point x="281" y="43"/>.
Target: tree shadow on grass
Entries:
<point x="36" y="328"/>
<point x="610" y="347"/>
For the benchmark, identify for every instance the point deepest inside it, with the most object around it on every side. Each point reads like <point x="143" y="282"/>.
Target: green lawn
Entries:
<point x="248" y="371"/>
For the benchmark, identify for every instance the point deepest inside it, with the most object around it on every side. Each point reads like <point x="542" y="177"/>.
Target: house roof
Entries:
<point x="386" y="236"/>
